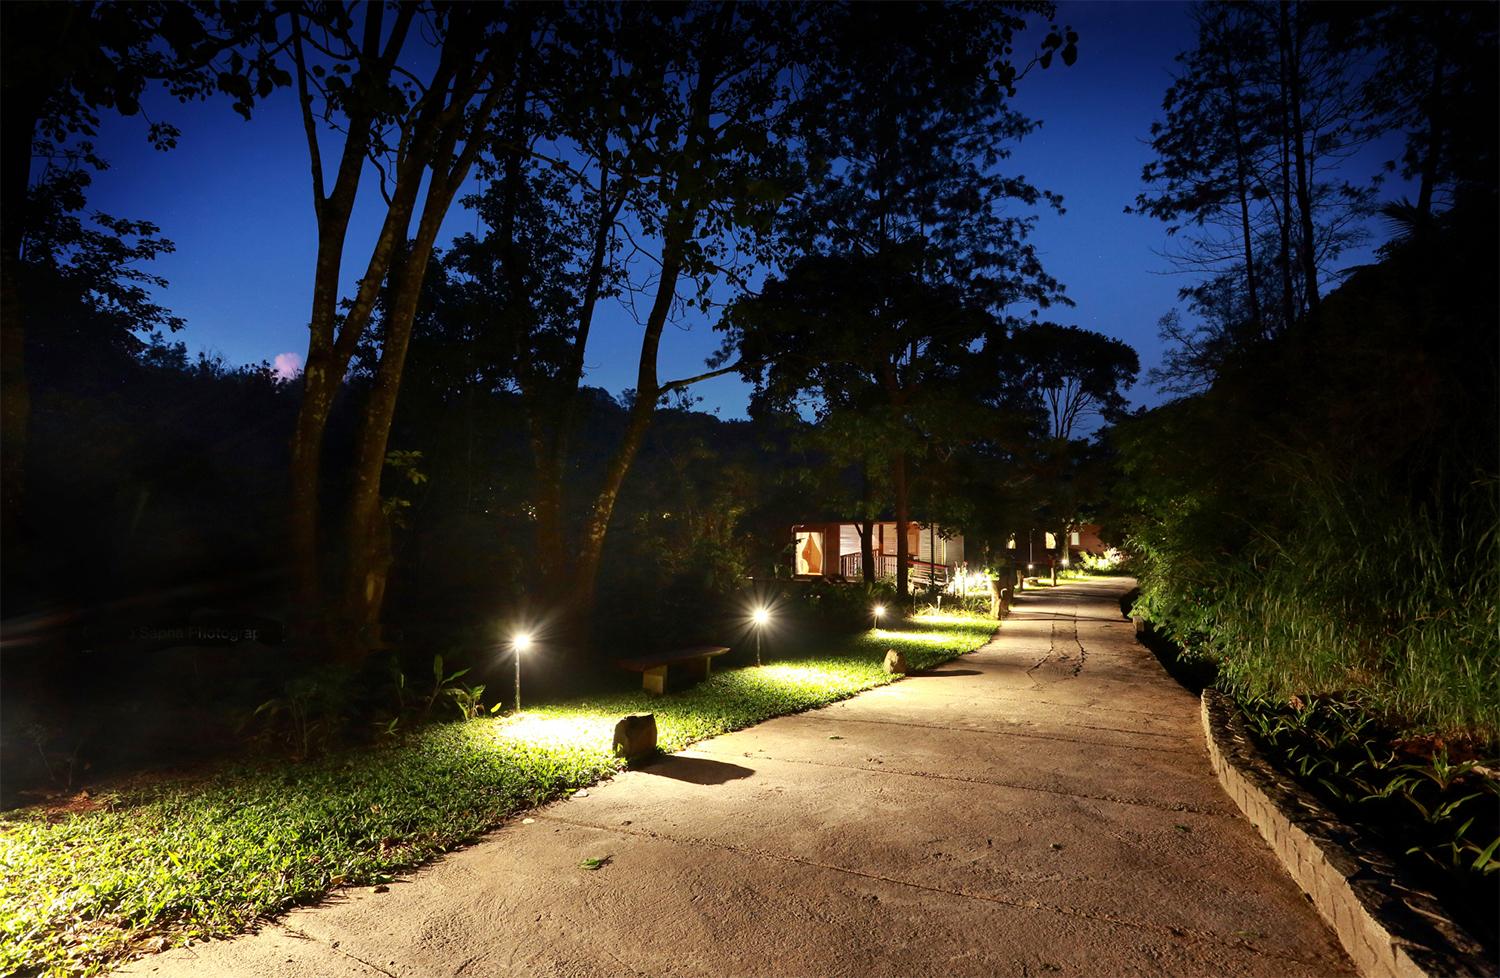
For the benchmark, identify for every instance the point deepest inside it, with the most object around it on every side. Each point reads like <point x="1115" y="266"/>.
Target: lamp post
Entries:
<point x="760" y="618"/>
<point x="878" y="612"/>
<point x="519" y="643"/>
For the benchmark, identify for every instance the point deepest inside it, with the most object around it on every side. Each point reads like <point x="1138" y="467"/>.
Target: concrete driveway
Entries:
<point x="1042" y="807"/>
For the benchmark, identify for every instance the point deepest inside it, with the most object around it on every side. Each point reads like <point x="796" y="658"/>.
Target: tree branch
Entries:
<point x="308" y="123"/>
<point x="685" y="382"/>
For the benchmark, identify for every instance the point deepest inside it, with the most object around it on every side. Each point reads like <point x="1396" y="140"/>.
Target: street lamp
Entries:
<point x="760" y="617"/>
<point x="878" y="612"/>
<point x="519" y="642"/>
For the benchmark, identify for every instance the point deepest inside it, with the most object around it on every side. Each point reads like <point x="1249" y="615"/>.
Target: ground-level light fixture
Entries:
<point x="878" y="612"/>
<point x="761" y="616"/>
<point x="519" y="642"/>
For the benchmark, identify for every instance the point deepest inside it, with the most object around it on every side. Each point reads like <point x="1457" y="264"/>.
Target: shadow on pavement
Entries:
<point x="697" y="770"/>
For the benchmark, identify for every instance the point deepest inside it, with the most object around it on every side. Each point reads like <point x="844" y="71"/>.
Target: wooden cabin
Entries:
<point x="832" y="551"/>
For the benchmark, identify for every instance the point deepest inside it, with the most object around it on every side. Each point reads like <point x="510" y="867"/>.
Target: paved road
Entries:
<point x="1042" y="807"/>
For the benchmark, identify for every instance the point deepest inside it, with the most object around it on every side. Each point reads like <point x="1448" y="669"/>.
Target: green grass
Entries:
<point x="187" y="860"/>
<point x="1365" y="595"/>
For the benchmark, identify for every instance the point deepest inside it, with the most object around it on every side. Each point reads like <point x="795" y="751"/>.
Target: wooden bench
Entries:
<point x="697" y="662"/>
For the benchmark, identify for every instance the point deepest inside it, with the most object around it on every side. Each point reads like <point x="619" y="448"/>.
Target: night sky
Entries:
<point x="235" y="198"/>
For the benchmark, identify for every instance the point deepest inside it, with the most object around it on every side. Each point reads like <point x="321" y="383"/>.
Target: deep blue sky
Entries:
<point x="235" y="198"/>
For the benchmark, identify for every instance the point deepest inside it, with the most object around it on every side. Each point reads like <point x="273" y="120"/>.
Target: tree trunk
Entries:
<point x="19" y="130"/>
<point x="15" y="403"/>
<point x="367" y="547"/>
<point x="1308" y="250"/>
<point x="678" y="228"/>
<point x="1242" y="191"/>
<point x="1288" y="297"/>
<point x="333" y="338"/>
<point x="368" y="553"/>
<point x="306" y="465"/>
<point x="551" y="545"/>
<point x="866" y="528"/>
<point x="903" y="546"/>
<point x="647" y="390"/>
<point x="867" y="551"/>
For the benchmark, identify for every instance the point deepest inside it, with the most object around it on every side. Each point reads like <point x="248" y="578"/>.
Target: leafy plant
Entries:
<point x="470" y="701"/>
<point x="305" y="716"/>
<point x="1427" y="806"/>
<point x="441" y="682"/>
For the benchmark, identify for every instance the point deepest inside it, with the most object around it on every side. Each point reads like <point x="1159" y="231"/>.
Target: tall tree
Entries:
<point x="1433" y="76"/>
<point x="872" y="352"/>
<point x="407" y="87"/>
<point x="1250" y="163"/>
<point x="905" y="125"/>
<point x="1079" y="377"/>
<point x="645" y="162"/>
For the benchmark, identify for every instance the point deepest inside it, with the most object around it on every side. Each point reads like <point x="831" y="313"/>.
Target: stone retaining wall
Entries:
<point x="1390" y="928"/>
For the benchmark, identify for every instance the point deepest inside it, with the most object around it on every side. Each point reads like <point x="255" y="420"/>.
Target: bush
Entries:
<point x="1112" y="561"/>
<point x="838" y="606"/>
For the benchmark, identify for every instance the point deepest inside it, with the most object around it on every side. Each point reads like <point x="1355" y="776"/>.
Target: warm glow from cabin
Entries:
<point x="810" y="552"/>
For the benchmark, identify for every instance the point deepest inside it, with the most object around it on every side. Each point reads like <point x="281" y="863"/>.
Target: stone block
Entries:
<point x="895" y="663"/>
<point x="635" y="736"/>
<point x="654" y="680"/>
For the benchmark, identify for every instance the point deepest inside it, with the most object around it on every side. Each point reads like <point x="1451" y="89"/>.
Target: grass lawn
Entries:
<point x="179" y="861"/>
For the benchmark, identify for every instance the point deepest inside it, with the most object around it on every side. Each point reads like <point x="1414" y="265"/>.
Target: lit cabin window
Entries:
<point x="809" y="553"/>
<point x="1073" y="538"/>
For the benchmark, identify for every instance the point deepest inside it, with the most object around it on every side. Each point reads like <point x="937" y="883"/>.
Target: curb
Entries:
<point x="1390" y="928"/>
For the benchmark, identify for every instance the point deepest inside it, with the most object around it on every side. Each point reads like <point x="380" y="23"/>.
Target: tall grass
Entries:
<point x="1362" y="592"/>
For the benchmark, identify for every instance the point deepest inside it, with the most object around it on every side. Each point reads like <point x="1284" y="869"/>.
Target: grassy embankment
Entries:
<point x="154" y="866"/>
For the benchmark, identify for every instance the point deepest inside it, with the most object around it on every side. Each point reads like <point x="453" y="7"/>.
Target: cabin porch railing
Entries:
<point x="922" y="572"/>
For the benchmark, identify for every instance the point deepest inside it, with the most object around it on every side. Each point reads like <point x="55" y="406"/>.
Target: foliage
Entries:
<point x="840" y="607"/>
<point x="1441" y="812"/>
<point x="1112" y="561"/>
<point x="1081" y="375"/>
<point x="1345" y="542"/>
<point x="1249" y="170"/>
<point x="192" y="859"/>
<point x="306" y="714"/>
<point x="1263" y="123"/>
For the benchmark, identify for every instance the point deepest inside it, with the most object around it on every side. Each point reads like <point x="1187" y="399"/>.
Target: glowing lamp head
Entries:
<point x="1031" y="566"/>
<point x="521" y="641"/>
<point x="1065" y="561"/>
<point x="761" y="616"/>
<point x="879" y="610"/>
